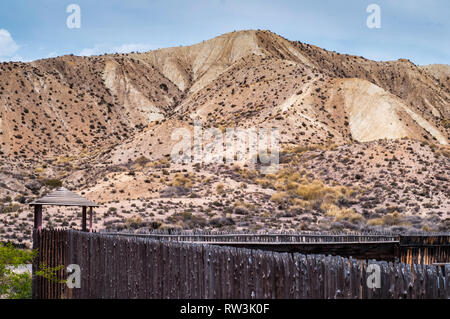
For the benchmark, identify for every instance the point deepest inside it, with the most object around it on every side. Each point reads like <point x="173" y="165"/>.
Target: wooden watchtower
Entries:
<point x="63" y="197"/>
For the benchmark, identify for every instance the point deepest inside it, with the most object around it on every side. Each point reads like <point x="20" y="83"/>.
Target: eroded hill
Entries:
<point x="365" y="139"/>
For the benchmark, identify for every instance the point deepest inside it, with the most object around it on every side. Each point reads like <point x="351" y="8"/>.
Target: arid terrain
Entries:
<point x="363" y="144"/>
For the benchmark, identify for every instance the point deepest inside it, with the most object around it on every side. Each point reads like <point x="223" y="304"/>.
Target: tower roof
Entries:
<point x="64" y="197"/>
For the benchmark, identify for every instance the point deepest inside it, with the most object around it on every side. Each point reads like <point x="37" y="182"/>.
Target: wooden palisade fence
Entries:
<point x="424" y="249"/>
<point x="114" y="266"/>
<point x="420" y="248"/>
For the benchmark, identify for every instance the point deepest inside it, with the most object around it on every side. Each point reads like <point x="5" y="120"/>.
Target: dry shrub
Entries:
<point x="445" y="151"/>
<point x="65" y="159"/>
<point x="39" y="170"/>
<point x="246" y="173"/>
<point x="345" y="214"/>
<point x="298" y="190"/>
<point x="312" y="191"/>
<point x="279" y="198"/>
<point x="134" y="222"/>
<point x="162" y="163"/>
<point x="142" y="161"/>
<point x="220" y="189"/>
<point x="394" y="219"/>
<point x="241" y="204"/>
<point x="182" y="181"/>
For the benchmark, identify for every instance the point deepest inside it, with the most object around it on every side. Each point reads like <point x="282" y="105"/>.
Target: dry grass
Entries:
<point x="134" y="221"/>
<point x="296" y="189"/>
<point x="246" y="173"/>
<point x="182" y="180"/>
<point x="343" y="214"/>
<point x="279" y="198"/>
<point x="162" y="163"/>
<point x="299" y="151"/>
<point x="296" y="192"/>
<point x="65" y="159"/>
<point x="394" y="219"/>
<point x="444" y="150"/>
<point x="39" y="170"/>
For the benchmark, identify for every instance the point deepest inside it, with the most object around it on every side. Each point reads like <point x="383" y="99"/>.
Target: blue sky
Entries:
<point x="418" y="30"/>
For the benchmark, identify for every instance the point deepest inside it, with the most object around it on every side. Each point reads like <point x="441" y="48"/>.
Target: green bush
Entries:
<point x="13" y="285"/>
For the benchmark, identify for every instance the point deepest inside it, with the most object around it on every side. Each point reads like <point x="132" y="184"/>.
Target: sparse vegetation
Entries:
<point x="394" y="219"/>
<point x="53" y="182"/>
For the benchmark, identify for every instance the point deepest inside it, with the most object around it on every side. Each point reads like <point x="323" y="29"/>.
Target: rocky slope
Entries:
<point x="103" y="126"/>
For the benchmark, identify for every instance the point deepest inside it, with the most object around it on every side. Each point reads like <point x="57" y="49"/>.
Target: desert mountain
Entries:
<point x="440" y="72"/>
<point x="103" y="125"/>
<point x="59" y="105"/>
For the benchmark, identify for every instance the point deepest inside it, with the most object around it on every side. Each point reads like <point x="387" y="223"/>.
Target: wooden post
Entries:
<point x="36" y="238"/>
<point x="83" y="221"/>
<point x="35" y="266"/>
<point x="38" y="217"/>
<point x="90" y="219"/>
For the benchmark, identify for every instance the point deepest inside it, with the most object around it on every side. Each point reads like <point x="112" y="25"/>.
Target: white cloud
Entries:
<point x="18" y="58"/>
<point x="14" y="58"/>
<point x="134" y="47"/>
<point x="91" y="51"/>
<point x="7" y="44"/>
<point x="124" y="48"/>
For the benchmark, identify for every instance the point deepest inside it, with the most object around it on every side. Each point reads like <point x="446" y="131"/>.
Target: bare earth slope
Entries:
<point x="440" y="71"/>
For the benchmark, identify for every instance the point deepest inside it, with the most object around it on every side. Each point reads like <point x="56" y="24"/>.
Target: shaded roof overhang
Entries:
<point x="64" y="197"/>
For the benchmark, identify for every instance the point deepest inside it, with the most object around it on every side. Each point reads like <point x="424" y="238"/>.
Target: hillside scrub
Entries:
<point x="295" y="189"/>
<point x="183" y="180"/>
<point x="394" y="219"/>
